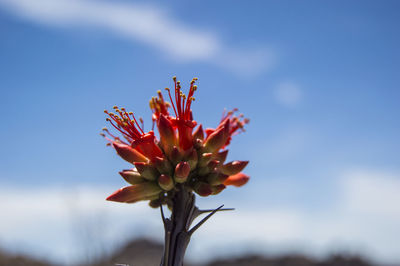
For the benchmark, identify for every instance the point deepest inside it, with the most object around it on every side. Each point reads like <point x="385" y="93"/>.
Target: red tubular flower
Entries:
<point x="133" y="133"/>
<point x="236" y="125"/>
<point x="159" y="106"/>
<point x="183" y="158"/>
<point x="183" y="114"/>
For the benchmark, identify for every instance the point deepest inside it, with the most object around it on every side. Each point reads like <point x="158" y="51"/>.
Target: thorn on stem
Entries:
<point x="204" y="220"/>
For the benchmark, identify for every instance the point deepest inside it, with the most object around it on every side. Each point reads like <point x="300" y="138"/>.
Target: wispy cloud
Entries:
<point x="148" y="24"/>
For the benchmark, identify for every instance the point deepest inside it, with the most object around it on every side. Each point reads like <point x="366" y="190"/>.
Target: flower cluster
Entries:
<point x="185" y="155"/>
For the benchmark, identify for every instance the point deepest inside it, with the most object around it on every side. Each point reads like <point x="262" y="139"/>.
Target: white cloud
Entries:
<point x="288" y="94"/>
<point x="363" y="217"/>
<point x="373" y="193"/>
<point x="150" y="25"/>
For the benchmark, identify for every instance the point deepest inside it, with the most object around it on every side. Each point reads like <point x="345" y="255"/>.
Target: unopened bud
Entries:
<point x="221" y="156"/>
<point x="237" y="180"/>
<point x="175" y="155"/>
<point x="147" y="171"/>
<point x="198" y="133"/>
<point x="165" y="182"/>
<point x="205" y="158"/>
<point x="192" y="159"/>
<point x="132" y="177"/>
<point x="198" y="143"/>
<point x="215" y="179"/>
<point x="167" y="133"/>
<point x="217" y="189"/>
<point x="203" y="189"/>
<point x="131" y="194"/>
<point x="128" y="153"/>
<point x="233" y="168"/>
<point x="163" y="165"/>
<point x="214" y="141"/>
<point x="182" y="171"/>
<point x="212" y="165"/>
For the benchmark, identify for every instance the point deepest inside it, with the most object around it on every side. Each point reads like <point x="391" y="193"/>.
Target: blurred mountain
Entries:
<point x="143" y="252"/>
<point x="140" y="252"/>
<point x="7" y="259"/>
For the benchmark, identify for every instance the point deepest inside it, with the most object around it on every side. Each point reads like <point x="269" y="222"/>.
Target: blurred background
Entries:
<point x="318" y="79"/>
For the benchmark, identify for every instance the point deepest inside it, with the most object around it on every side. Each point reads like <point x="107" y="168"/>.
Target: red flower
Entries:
<point x="194" y="159"/>
<point x="127" y="125"/>
<point x="183" y="119"/>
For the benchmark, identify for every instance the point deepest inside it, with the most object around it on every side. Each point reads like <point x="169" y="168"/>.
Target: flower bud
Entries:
<point x="147" y="171"/>
<point x="175" y="155"/>
<point x="217" y="189"/>
<point x="205" y="158"/>
<point x="132" y="177"/>
<point x="233" y="168"/>
<point x="215" y="141"/>
<point x="210" y="167"/>
<point x="218" y="138"/>
<point x="198" y="133"/>
<point x="163" y="165"/>
<point x="167" y="133"/>
<point x="237" y="180"/>
<point x="131" y="194"/>
<point x="215" y="179"/>
<point x="182" y="171"/>
<point x="221" y="156"/>
<point x="192" y="159"/>
<point x="165" y="182"/>
<point x="198" y="143"/>
<point x="203" y="189"/>
<point x="128" y="153"/>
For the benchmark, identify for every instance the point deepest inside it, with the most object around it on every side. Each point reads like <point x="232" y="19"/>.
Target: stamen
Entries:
<point x="172" y="102"/>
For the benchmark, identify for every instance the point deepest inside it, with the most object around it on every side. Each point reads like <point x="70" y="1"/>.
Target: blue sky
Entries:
<point x="318" y="79"/>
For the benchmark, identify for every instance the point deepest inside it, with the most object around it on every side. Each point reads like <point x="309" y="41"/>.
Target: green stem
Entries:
<point x="177" y="227"/>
